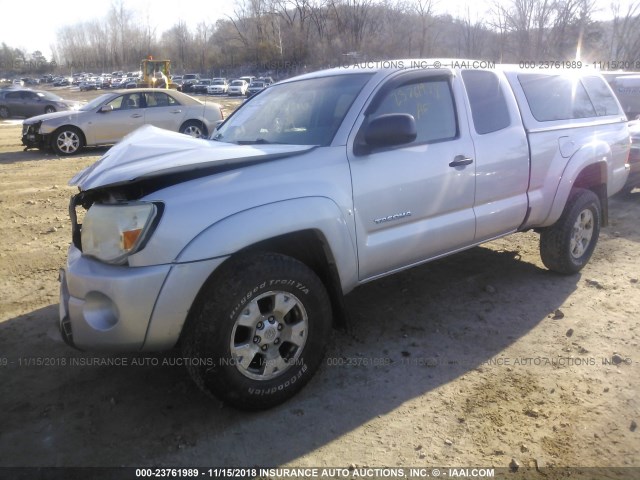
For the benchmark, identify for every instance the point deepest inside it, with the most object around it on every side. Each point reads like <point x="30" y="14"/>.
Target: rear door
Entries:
<point x="163" y="111"/>
<point x="415" y="202"/>
<point x="502" y="154"/>
<point x="32" y="104"/>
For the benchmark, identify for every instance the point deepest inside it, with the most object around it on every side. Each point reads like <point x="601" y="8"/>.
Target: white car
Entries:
<point x="218" y="86"/>
<point x="238" y="87"/>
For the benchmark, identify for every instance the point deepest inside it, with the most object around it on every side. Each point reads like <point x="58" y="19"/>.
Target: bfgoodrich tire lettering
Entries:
<point x="567" y="246"/>
<point x="258" y="331"/>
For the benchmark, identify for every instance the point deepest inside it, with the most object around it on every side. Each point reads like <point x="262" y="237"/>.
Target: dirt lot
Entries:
<point x="481" y="359"/>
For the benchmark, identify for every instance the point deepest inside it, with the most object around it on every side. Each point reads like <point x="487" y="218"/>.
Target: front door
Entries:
<point x="415" y="201"/>
<point x="126" y="116"/>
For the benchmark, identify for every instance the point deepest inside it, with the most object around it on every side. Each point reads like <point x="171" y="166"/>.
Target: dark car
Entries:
<point x="202" y="86"/>
<point x="188" y="82"/>
<point x="255" y="87"/>
<point x="27" y="103"/>
<point x="89" y="85"/>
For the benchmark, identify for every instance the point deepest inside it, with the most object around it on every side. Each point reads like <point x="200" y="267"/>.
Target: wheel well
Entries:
<point x="311" y="248"/>
<point x="308" y="247"/>
<point x="594" y="177"/>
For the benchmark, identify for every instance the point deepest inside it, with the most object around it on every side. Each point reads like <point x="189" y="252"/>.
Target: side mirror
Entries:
<point x="387" y="130"/>
<point x="391" y="129"/>
<point x="106" y="108"/>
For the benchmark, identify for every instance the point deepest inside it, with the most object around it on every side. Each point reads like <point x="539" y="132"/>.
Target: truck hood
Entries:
<point x="151" y="152"/>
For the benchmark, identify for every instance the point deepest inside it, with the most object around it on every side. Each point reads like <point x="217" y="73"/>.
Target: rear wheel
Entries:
<point x="4" y="112"/>
<point x="257" y="336"/>
<point x="67" y="141"/>
<point x="567" y="246"/>
<point x="194" y="128"/>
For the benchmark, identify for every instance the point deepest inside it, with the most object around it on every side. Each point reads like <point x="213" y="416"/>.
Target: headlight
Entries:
<point x="113" y="232"/>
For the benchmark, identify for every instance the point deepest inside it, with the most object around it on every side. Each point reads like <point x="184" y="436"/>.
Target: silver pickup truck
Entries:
<point x="239" y="248"/>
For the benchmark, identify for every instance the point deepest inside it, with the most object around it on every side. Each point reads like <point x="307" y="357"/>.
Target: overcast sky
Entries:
<point x="33" y="24"/>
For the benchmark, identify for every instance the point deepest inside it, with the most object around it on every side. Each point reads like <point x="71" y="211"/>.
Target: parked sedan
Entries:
<point x="219" y="86"/>
<point x="238" y="87"/>
<point x="89" y="85"/>
<point x="27" y="103"/>
<point x="255" y="87"/>
<point x="201" y="86"/>
<point x="109" y="117"/>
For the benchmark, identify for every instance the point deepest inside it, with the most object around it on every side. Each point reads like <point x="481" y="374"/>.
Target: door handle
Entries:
<point x="461" y="161"/>
<point x="136" y="115"/>
<point x="176" y="111"/>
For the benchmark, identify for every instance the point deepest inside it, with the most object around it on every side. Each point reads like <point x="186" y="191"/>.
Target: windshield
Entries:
<point x="304" y="112"/>
<point x="96" y="102"/>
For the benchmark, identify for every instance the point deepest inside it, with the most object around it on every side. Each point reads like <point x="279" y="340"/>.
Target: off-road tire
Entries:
<point x="233" y="311"/>
<point x="567" y="246"/>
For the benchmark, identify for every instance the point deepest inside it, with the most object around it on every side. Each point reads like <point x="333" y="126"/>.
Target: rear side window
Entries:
<point x="488" y="105"/>
<point x="601" y="96"/>
<point x="431" y="104"/>
<point x="556" y="97"/>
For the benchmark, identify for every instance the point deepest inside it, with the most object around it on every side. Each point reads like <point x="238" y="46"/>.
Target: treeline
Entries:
<point x="285" y="37"/>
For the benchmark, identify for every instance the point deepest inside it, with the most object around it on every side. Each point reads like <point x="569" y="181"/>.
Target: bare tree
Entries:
<point x="119" y="21"/>
<point x="625" y="35"/>
<point x="424" y="10"/>
<point x="473" y="36"/>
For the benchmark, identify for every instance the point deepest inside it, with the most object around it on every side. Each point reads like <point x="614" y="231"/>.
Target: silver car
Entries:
<point x="26" y="103"/>
<point x="109" y="117"/>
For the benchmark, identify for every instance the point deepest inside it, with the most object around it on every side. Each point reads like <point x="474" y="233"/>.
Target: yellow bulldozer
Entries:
<point x="156" y="74"/>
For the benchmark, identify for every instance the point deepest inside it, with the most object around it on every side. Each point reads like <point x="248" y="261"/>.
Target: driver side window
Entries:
<point x="430" y="102"/>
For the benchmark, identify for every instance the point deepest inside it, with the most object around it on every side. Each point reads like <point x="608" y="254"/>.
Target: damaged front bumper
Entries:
<point x="32" y="138"/>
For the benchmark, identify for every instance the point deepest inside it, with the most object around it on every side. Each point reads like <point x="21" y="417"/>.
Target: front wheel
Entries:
<point x="49" y="109"/>
<point x="66" y="141"/>
<point x="567" y="246"/>
<point x="257" y="335"/>
<point x="4" y="112"/>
